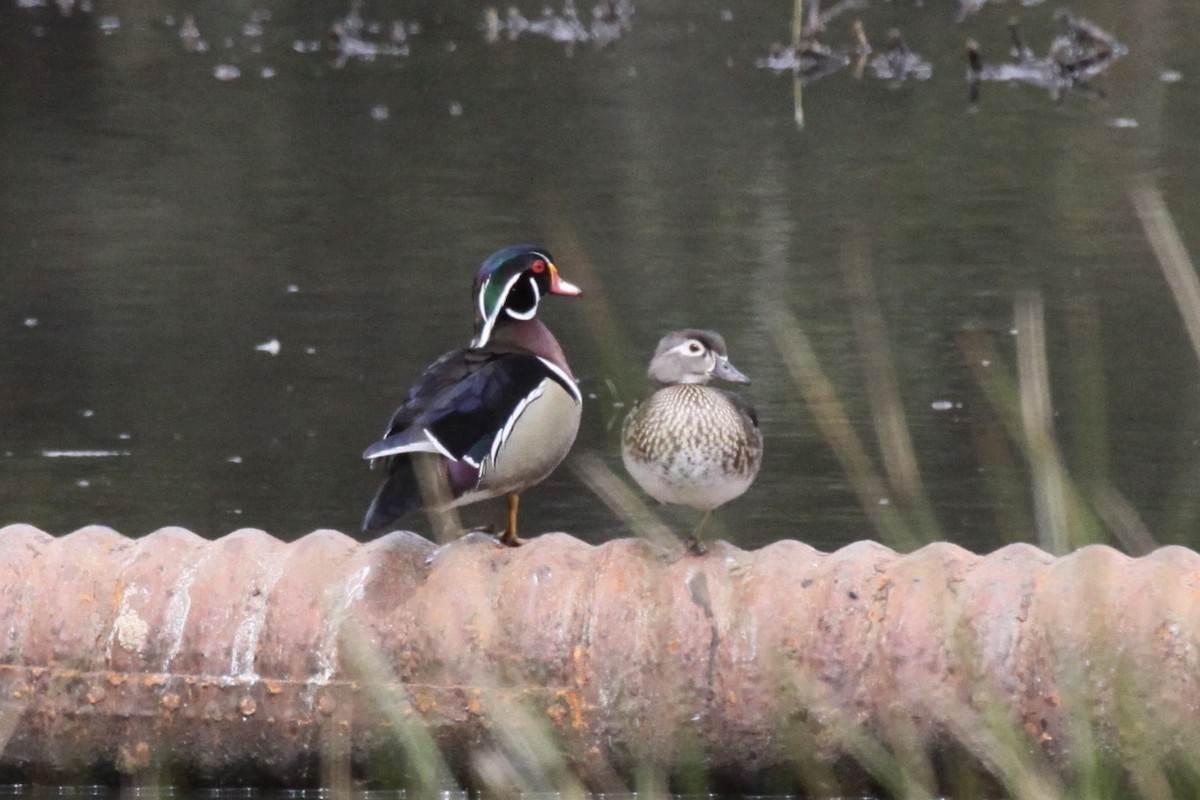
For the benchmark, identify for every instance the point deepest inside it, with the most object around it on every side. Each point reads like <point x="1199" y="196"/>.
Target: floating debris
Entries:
<point x="110" y="24"/>
<point x="266" y="72"/>
<point x="491" y="24"/>
<point x="292" y="288"/>
<point x="273" y="347"/>
<point x="379" y="113"/>
<point x="608" y="20"/>
<point x="31" y="322"/>
<point x="87" y="413"/>
<point x="348" y="38"/>
<point x="564" y="28"/>
<point x="1123" y="122"/>
<point x="898" y="63"/>
<point x="226" y="72"/>
<point x="189" y="34"/>
<point x="1170" y="76"/>
<point x="348" y="45"/>
<point x="1074" y="58"/>
<point x="941" y="405"/>
<point x="809" y="57"/>
<point x="352" y="23"/>
<point x="234" y="459"/>
<point x="84" y="453"/>
<point x="813" y="60"/>
<point x="456" y="109"/>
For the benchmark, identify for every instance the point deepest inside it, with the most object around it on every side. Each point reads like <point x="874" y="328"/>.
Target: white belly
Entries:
<point x="697" y="481"/>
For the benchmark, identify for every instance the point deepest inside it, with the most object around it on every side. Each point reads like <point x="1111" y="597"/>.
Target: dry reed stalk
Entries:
<point x="883" y="390"/>
<point x="822" y="400"/>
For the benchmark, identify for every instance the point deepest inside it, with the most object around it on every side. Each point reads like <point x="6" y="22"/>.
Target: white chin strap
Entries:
<point x="537" y="298"/>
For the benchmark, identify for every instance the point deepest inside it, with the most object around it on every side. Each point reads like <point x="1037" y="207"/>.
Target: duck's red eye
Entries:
<point x="539" y="266"/>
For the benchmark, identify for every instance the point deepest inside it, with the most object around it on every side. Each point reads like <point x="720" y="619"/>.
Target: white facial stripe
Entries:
<point x="537" y="298"/>
<point x="489" y="321"/>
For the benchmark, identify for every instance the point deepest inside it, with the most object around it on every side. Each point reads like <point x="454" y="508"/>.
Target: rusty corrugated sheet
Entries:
<point x="246" y="658"/>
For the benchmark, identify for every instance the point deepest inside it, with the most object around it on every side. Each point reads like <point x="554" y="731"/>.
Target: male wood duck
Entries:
<point x="689" y="443"/>
<point x="490" y="419"/>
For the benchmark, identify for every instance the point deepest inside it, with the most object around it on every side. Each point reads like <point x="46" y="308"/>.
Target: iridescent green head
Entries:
<point x="510" y="284"/>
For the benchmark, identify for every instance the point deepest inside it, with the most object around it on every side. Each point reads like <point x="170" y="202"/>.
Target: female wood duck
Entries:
<point x="689" y="443"/>
<point x="493" y="418"/>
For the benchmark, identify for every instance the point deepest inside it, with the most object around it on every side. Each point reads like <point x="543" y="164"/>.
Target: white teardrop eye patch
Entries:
<point x="691" y="347"/>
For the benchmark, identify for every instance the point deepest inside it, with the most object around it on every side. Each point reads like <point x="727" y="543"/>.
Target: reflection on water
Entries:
<point x="232" y="239"/>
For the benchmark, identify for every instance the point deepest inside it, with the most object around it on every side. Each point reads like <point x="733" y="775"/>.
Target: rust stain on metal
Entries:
<point x="572" y="709"/>
<point x="326" y="704"/>
<point x="424" y="702"/>
<point x="213" y="655"/>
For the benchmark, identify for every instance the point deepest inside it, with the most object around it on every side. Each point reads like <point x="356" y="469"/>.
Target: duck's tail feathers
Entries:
<point x="415" y="480"/>
<point x="399" y="494"/>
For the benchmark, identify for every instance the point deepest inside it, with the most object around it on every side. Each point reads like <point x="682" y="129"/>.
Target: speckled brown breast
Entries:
<point x="692" y="445"/>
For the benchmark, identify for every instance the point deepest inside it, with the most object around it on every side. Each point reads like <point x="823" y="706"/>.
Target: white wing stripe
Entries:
<point x="498" y="442"/>
<point x="568" y="381"/>
<point x="431" y="445"/>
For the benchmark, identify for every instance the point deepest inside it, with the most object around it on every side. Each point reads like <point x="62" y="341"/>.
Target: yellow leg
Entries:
<point x="509" y="536"/>
<point x="694" y="545"/>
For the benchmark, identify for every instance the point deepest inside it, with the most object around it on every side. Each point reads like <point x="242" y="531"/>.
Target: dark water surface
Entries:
<point x="158" y="224"/>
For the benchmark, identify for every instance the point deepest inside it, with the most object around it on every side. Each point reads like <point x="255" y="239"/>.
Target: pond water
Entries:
<point x="223" y="264"/>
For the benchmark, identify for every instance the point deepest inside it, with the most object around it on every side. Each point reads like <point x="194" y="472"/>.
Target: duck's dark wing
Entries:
<point x="443" y="374"/>
<point x="476" y="412"/>
<point x="465" y="396"/>
<point x="461" y="407"/>
<point x="401" y="489"/>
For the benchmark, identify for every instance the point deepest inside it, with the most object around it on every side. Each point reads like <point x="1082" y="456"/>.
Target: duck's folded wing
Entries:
<point x="468" y="419"/>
